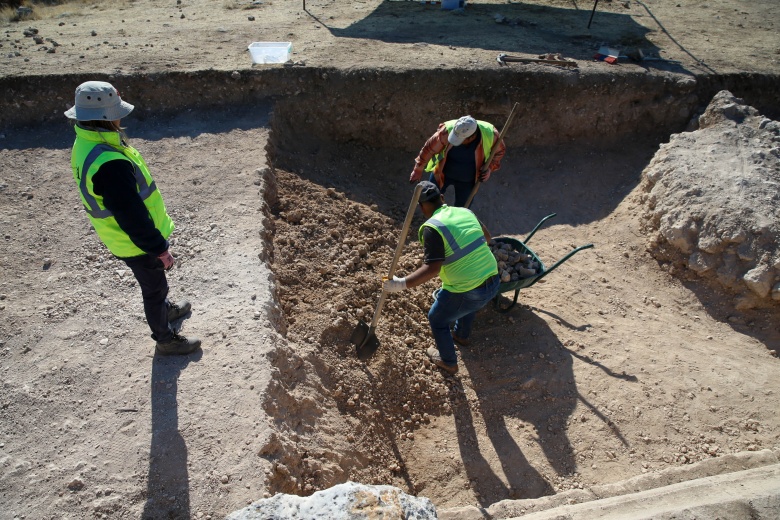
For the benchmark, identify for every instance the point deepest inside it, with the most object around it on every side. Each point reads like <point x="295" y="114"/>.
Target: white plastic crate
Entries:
<point x="270" y="52"/>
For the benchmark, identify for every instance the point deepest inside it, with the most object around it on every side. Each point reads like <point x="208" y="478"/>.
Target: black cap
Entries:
<point x="429" y="191"/>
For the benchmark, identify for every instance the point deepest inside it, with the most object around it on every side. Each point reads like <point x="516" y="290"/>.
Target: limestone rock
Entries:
<point x="341" y="502"/>
<point x="759" y="280"/>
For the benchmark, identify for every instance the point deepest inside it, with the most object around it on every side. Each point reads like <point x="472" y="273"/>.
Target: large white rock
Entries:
<point x="759" y="280"/>
<point x="711" y="200"/>
<point x="348" y="501"/>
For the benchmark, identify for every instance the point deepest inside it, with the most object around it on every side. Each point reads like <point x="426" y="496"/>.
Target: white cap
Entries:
<point x="464" y="127"/>
<point x="98" y="101"/>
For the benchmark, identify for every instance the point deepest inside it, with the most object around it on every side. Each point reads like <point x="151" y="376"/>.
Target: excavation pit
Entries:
<point x="513" y="423"/>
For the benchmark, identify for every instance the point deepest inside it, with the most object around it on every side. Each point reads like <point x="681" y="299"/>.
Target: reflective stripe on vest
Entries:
<point x="457" y="251"/>
<point x="144" y="189"/>
<point x="467" y="259"/>
<point x="91" y="150"/>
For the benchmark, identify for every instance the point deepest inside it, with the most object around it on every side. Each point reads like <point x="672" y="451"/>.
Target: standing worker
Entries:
<point x="125" y="206"/>
<point x="455" y="156"/>
<point x="455" y="248"/>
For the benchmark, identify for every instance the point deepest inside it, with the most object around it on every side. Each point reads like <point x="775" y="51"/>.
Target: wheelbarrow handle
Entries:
<point x="545" y="219"/>
<point x="562" y="260"/>
<point x="398" y="250"/>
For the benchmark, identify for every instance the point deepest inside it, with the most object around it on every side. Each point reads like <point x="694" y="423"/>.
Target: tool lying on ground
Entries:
<point x="522" y="247"/>
<point x="638" y="55"/>
<point x="501" y="135"/>
<point x="503" y="59"/>
<point x="363" y="337"/>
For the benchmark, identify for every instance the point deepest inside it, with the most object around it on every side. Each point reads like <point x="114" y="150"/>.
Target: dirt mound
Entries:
<point x="711" y="201"/>
<point x="327" y="281"/>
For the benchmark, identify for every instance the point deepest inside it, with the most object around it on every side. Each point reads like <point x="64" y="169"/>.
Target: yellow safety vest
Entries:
<point x="91" y="150"/>
<point x="468" y="260"/>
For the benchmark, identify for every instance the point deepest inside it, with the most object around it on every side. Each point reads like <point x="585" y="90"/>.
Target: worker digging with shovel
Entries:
<point x="455" y="248"/>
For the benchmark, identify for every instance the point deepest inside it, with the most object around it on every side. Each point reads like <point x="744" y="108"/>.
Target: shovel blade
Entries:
<point x="365" y="341"/>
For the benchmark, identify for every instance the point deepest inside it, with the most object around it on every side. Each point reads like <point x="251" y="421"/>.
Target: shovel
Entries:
<point x="363" y="336"/>
<point x="501" y="135"/>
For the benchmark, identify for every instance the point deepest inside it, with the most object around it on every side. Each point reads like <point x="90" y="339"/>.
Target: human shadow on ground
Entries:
<point x="579" y="328"/>
<point x="525" y="392"/>
<point x="512" y="27"/>
<point x="167" y="485"/>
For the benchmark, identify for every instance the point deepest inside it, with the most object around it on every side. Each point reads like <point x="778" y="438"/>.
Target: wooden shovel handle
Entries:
<point x="493" y="151"/>
<point x="398" y="250"/>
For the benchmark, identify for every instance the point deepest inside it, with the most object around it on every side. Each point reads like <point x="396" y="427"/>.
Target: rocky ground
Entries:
<point x="613" y="366"/>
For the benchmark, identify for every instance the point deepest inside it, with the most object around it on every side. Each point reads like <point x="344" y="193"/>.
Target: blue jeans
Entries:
<point x="462" y="309"/>
<point x="462" y="190"/>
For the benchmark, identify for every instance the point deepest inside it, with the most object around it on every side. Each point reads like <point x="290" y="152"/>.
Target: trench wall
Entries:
<point x="397" y="109"/>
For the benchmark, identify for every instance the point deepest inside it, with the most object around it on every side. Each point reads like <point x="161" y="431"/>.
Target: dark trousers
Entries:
<point x="462" y="190"/>
<point x="149" y="272"/>
<point x="460" y="308"/>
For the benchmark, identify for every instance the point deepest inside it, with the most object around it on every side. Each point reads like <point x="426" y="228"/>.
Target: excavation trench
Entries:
<point x="391" y="420"/>
<point x="336" y="197"/>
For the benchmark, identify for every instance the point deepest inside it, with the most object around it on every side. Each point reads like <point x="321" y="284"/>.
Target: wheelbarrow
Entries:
<point x="522" y="283"/>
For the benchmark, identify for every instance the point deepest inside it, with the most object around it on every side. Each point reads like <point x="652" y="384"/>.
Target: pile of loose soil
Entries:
<point x="329" y="257"/>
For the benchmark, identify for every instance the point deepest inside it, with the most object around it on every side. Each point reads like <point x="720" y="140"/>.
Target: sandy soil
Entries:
<point x="611" y="367"/>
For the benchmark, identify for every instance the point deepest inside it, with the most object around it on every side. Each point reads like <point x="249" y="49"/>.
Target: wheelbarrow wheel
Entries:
<point x="497" y="302"/>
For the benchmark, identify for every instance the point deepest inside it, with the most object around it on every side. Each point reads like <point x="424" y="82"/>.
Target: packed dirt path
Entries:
<point x="611" y="367"/>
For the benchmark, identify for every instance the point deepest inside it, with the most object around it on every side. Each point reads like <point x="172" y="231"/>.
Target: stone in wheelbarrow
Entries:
<point x="513" y="265"/>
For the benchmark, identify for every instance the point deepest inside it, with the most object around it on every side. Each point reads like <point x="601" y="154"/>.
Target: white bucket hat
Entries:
<point x="98" y="101"/>
<point x="464" y="128"/>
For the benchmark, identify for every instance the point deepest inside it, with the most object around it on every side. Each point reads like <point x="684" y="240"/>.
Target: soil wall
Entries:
<point x="375" y="107"/>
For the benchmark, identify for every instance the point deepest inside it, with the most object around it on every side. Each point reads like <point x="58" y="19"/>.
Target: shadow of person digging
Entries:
<point x="520" y="480"/>
<point x="167" y="487"/>
<point x="523" y="395"/>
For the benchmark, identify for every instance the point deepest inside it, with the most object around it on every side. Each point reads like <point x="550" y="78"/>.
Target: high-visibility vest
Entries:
<point x="468" y="260"/>
<point x="436" y="164"/>
<point x="91" y="150"/>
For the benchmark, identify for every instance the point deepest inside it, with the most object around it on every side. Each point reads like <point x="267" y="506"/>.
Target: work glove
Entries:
<point x="484" y="173"/>
<point x="167" y="259"/>
<point x="394" y="285"/>
<point x="414" y="177"/>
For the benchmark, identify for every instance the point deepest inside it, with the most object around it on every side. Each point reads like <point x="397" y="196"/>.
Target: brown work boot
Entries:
<point x="177" y="310"/>
<point x="178" y="345"/>
<point x="463" y="342"/>
<point x="433" y="354"/>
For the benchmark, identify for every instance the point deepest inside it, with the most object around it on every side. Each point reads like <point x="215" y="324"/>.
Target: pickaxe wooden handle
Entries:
<point x="493" y="151"/>
<point x="503" y="59"/>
